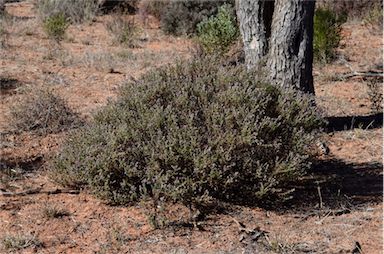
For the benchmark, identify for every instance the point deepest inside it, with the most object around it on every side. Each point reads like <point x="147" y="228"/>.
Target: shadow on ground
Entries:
<point x="29" y="165"/>
<point x="339" y="185"/>
<point x="8" y="85"/>
<point x="330" y="185"/>
<point x="341" y="123"/>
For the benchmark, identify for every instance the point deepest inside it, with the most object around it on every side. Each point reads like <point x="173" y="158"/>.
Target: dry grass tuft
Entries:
<point x="124" y="31"/>
<point x="19" y="242"/>
<point x="54" y="212"/>
<point x="44" y="112"/>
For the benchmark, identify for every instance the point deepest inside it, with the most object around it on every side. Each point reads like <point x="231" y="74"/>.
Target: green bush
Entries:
<point x="218" y="32"/>
<point x="43" y="112"/>
<point x="327" y="34"/>
<point x="191" y="132"/>
<point x="76" y="11"/>
<point x="55" y="27"/>
<point x="124" y="31"/>
<point x="182" y="17"/>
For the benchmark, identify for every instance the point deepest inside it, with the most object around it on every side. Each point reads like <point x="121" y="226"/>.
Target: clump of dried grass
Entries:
<point x="43" y="112"/>
<point x="124" y="31"/>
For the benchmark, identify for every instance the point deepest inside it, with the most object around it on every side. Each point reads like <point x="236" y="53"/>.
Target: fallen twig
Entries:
<point x="355" y="73"/>
<point x="38" y="191"/>
<point x="361" y="74"/>
<point x="254" y="234"/>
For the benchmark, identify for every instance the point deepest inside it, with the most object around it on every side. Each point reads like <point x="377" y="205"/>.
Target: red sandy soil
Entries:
<point x="88" y="68"/>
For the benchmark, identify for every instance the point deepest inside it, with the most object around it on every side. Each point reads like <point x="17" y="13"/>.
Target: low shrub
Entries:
<point x="182" y="17"/>
<point x="327" y="34"/>
<point x="192" y="132"/>
<point x="218" y="32"/>
<point x="19" y="242"/>
<point x="374" y="18"/>
<point x="76" y="11"/>
<point x="155" y="8"/>
<point x="56" y="26"/>
<point x="125" y="6"/>
<point x="351" y="9"/>
<point x="43" y="112"/>
<point x="124" y="31"/>
<point x="54" y="212"/>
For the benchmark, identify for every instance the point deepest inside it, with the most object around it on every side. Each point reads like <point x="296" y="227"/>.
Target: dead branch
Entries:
<point x="38" y="191"/>
<point x="361" y="74"/>
<point x="355" y="73"/>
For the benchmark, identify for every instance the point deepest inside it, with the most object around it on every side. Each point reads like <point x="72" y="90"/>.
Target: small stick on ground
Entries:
<point x="320" y="197"/>
<point x="38" y="191"/>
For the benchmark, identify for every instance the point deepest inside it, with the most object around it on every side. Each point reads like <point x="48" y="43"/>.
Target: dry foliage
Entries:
<point x="192" y="132"/>
<point x="124" y="31"/>
<point x="43" y="112"/>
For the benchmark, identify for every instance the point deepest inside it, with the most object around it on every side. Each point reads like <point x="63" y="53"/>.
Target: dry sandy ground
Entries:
<point x="88" y="68"/>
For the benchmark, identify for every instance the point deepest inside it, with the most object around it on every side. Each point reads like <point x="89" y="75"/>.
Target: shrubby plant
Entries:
<point x="193" y="132"/>
<point x="351" y="9"/>
<point x="56" y="26"/>
<point x="182" y="17"/>
<point x="327" y="34"/>
<point x="124" y="31"/>
<point x="76" y="11"/>
<point x="13" y="243"/>
<point x="43" y="112"/>
<point x="374" y="18"/>
<point x="126" y="6"/>
<point x="218" y="32"/>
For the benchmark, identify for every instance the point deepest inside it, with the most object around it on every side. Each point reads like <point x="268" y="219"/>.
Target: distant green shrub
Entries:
<point x="218" y="32"/>
<point x="56" y="26"/>
<point x="191" y="132"/>
<point x="182" y="17"/>
<point x="327" y="34"/>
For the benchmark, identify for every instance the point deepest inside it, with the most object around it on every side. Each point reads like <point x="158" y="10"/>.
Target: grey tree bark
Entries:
<point x="2" y="7"/>
<point x="255" y="29"/>
<point x="278" y="36"/>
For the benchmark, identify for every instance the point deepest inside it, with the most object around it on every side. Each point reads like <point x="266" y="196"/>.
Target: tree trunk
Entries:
<point x="2" y="7"/>
<point x="255" y="25"/>
<point x="281" y="32"/>
<point x="290" y="56"/>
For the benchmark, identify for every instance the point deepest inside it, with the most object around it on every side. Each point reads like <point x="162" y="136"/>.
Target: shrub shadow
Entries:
<point x="8" y="85"/>
<point x="25" y="166"/>
<point x="341" y="187"/>
<point x="341" y="123"/>
<point x="334" y="184"/>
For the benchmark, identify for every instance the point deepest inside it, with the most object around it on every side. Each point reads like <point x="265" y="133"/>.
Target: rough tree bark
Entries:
<point x="278" y="35"/>
<point x="2" y="7"/>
